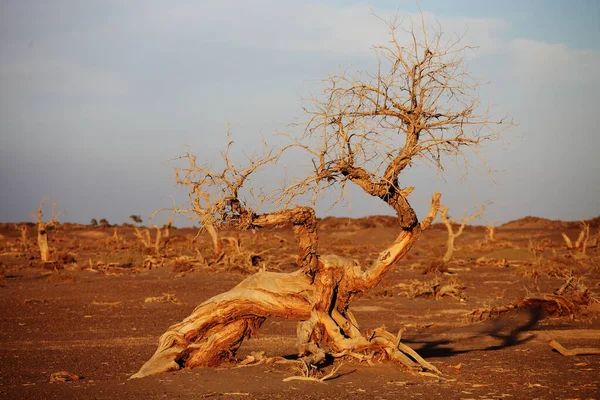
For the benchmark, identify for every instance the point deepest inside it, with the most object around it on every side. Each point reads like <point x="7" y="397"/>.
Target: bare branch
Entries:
<point x="420" y="106"/>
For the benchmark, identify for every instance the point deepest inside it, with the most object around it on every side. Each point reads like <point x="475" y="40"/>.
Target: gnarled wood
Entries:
<point x="216" y="328"/>
<point x="366" y="131"/>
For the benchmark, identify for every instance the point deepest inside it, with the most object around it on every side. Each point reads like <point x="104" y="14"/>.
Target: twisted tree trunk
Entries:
<point x="318" y="295"/>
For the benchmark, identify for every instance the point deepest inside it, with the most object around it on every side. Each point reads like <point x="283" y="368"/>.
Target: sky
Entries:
<point x="97" y="98"/>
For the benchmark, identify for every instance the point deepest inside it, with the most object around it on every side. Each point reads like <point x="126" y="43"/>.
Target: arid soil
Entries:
<point x="97" y="313"/>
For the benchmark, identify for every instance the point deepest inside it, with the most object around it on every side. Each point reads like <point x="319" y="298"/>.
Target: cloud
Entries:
<point x="535" y="61"/>
<point x="63" y="78"/>
<point x="104" y="81"/>
<point x="291" y="26"/>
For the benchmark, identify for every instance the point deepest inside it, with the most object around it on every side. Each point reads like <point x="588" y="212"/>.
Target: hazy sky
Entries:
<point x="97" y="96"/>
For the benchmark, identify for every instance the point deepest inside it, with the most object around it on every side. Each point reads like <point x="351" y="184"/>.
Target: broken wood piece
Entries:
<point x="578" y="351"/>
<point x="329" y="376"/>
<point x="63" y="376"/>
<point x="165" y="298"/>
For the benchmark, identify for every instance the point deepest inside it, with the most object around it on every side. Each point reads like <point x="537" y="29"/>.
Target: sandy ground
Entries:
<point x="88" y="315"/>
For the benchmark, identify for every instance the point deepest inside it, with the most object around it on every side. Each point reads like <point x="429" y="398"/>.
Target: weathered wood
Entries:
<point x="578" y="351"/>
<point x="42" y="240"/>
<point x="362" y="130"/>
<point x="216" y="328"/>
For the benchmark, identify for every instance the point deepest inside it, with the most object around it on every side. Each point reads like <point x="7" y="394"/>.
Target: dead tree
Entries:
<point x="43" y="228"/>
<point x="452" y="235"/>
<point x="116" y="239"/>
<point x="24" y="229"/>
<point x="161" y="238"/>
<point x="365" y="130"/>
<point x="582" y="239"/>
<point x="490" y="231"/>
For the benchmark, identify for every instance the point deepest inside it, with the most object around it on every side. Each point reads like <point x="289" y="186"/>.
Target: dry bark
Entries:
<point x="571" y="299"/>
<point x="318" y="294"/>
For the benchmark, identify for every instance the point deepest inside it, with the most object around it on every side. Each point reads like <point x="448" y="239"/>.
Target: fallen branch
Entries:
<point x="578" y="351"/>
<point x="165" y="298"/>
<point x="63" y="376"/>
<point x="569" y="300"/>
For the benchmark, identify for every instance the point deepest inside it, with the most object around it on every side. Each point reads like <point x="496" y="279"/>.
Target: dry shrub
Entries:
<point x="66" y="258"/>
<point x="561" y="259"/>
<point x="62" y="276"/>
<point x="543" y="267"/>
<point x="593" y="263"/>
<point x="113" y="268"/>
<point x="165" y="298"/>
<point x="383" y="291"/>
<point x="237" y="258"/>
<point x="571" y="299"/>
<point x="484" y="261"/>
<point x="185" y="264"/>
<point x="435" y="267"/>
<point x="435" y="288"/>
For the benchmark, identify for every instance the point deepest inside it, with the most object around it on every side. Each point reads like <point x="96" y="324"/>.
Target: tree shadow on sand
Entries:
<point x="508" y="330"/>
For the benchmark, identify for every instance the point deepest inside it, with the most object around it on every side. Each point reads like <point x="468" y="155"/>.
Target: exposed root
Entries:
<point x="233" y="256"/>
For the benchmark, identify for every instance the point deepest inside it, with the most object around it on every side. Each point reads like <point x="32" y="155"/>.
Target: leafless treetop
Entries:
<point x="420" y="105"/>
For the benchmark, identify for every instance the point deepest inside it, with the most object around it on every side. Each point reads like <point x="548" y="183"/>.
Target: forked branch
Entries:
<point x="452" y="234"/>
